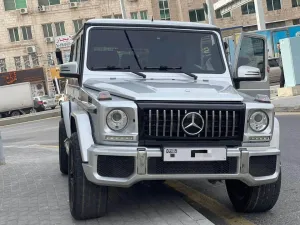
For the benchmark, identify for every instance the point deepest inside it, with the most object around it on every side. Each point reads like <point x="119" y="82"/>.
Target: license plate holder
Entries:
<point x="194" y="154"/>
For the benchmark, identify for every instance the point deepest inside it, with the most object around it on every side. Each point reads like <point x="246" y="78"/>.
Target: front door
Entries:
<point x="252" y="51"/>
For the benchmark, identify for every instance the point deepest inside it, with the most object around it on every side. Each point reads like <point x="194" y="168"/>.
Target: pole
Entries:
<point x="123" y="9"/>
<point x="2" y="158"/>
<point x="260" y="17"/>
<point x="210" y="12"/>
<point x="57" y="86"/>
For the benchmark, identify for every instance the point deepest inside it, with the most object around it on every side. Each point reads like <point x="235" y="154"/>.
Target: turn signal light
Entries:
<point x="104" y="95"/>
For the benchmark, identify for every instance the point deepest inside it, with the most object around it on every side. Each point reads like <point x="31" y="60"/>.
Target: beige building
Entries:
<point x="31" y="29"/>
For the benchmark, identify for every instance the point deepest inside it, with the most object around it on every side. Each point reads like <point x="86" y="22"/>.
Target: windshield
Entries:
<point x="153" y="50"/>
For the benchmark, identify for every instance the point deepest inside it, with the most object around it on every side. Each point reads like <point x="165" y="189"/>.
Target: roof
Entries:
<point x="156" y="23"/>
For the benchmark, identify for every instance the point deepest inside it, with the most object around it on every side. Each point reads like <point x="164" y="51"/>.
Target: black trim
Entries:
<point x="68" y="75"/>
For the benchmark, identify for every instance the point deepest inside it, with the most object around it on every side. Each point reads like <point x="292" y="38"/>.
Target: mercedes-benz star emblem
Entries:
<point x="192" y="123"/>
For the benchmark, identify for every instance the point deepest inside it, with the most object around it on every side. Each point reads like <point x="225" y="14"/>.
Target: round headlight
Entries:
<point x="116" y="120"/>
<point x="259" y="121"/>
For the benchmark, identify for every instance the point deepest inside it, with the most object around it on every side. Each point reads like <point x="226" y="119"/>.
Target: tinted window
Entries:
<point x="145" y="50"/>
<point x="273" y="63"/>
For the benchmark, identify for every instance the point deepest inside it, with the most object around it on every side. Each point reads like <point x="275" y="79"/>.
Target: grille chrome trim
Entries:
<point x="171" y="126"/>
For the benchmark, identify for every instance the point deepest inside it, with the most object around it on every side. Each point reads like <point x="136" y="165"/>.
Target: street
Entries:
<point x="32" y="166"/>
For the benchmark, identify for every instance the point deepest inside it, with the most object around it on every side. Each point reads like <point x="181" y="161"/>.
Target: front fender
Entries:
<point x="276" y="134"/>
<point x="84" y="132"/>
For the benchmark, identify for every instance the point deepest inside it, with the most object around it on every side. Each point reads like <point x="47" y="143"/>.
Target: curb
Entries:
<point x="29" y="117"/>
<point x="287" y="109"/>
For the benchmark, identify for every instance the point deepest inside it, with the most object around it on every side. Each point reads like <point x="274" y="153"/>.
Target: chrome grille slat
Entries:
<point x="226" y="132"/>
<point x="157" y="120"/>
<point x="200" y="114"/>
<point x="233" y="123"/>
<point x="185" y="112"/>
<point x="164" y="126"/>
<point x="171" y="126"/>
<point x="213" y="123"/>
<point x="178" y="123"/>
<point x="206" y="122"/>
<point x="220" y="122"/>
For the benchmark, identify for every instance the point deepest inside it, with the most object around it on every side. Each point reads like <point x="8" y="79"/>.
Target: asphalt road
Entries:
<point x="287" y="209"/>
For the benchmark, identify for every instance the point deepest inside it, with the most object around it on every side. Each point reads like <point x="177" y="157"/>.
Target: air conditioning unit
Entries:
<point x="73" y="5"/>
<point x="42" y="8"/>
<point x="49" y="39"/>
<point x="23" y="11"/>
<point x="31" y="49"/>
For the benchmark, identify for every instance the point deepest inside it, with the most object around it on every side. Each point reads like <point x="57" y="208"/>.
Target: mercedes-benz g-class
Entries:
<point x="155" y="100"/>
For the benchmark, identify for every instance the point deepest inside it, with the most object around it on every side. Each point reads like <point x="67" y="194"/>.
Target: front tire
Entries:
<point x="63" y="156"/>
<point x="87" y="200"/>
<point x="253" y="199"/>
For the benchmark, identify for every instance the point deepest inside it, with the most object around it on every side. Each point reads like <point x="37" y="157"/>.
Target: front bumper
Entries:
<point x="139" y="162"/>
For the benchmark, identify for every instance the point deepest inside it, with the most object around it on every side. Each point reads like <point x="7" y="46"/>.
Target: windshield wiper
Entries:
<point x="164" y="68"/>
<point x="139" y="74"/>
<point x="190" y="74"/>
<point x="110" y="68"/>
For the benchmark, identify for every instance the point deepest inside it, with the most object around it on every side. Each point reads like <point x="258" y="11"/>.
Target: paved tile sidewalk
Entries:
<point x="33" y="191"/>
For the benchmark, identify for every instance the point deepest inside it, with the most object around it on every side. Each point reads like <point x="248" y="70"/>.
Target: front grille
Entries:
<point x="164" y="122"/>
<point x="158" y="166"/>
<point x="115" y="166"/>
<point x="262" y="165"/>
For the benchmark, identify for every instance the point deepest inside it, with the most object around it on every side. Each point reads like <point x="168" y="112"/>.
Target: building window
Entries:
<point x="26" y="61"/>
<point x="295" y="3"/>
<point x="77" y="25"/>
<point x="118" y="16"/>
<point x="296" y="22"/>
<point x="164" y="10"/>
<point x="78" y="0"/>
<point x="2" y="66"/>
<point x="34" y="59"/>
<point x="14" y="34"/>
<point x="27" y="34"/>
<point x="60" y="28"/>
<point x="134" y="15"/>
<point x="106" y="17"/>
<point x="47" y="29"/>
<point x="50" y="59"/>
<point x="14" y="4"/>
<point x="144" y="15"/>
<point x="273" y="5"/>
<point x="197" y="15"/>
<point x="219" y="15"/>
<point x="248" y="8"/>
<point x="48" y="2"/>
<point x="18" y="63"/>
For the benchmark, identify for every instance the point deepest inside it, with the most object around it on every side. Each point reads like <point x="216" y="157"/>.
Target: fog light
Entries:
<point x="118" y="138"/>
<point x="260" y="138"/>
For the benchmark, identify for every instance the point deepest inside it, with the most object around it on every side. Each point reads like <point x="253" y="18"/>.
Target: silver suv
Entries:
<point x="155" y="100"/>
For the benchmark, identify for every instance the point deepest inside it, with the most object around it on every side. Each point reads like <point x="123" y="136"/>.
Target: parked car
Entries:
<point x="274" y="71"/>
<point x="42" y="103"/>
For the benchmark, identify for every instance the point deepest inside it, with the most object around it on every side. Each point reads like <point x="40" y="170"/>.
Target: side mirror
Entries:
<point x="248" y="73"/>
<point x="59" y="56"/>
<point x="69" y="70"/>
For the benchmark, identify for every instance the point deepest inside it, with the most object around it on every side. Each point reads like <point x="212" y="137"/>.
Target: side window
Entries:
<point x="252" y="53"/>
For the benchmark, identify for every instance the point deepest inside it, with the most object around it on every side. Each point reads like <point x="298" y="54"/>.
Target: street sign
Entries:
<point x="226" y="6"/>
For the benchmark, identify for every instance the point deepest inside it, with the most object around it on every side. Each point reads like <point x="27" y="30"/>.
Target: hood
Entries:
<point x="166" y="90"/>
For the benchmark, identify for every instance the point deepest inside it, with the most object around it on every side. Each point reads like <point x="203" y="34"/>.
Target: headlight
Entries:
<point x="116" y="120"/>
<point x="259" y="121"/>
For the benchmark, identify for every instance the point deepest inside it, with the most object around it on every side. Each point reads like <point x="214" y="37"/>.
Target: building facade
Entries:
<point x="32" y="29"/>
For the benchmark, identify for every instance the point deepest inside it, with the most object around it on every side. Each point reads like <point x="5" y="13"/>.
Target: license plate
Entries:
<point x="194" y="154"/>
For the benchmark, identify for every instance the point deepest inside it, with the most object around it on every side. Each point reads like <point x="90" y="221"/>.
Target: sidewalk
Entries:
<point x="284" y="104"/>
